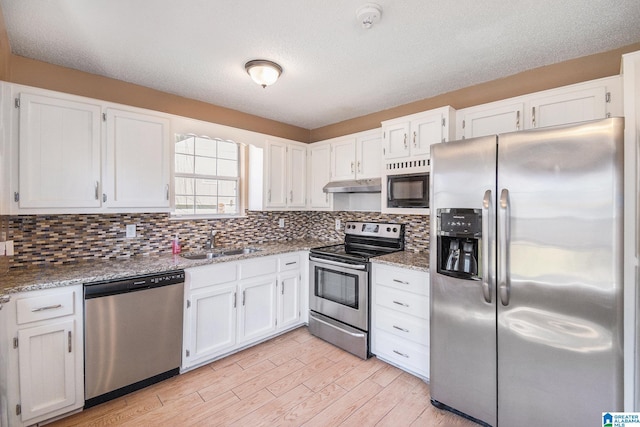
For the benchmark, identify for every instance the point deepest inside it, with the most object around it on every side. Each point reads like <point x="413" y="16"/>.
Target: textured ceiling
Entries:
<point x="333" y="68"/>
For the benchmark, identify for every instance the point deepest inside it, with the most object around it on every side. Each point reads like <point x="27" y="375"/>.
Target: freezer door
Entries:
<point x="463" y="313"/>
<point x="560" y="274"/>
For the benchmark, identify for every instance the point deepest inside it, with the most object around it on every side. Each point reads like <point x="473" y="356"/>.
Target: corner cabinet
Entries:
<point x="139" y="153"/>
<point x="45" y="364"/>
<point x="79" y="155"/>
<point x="285" y="172"/>
<point x="232" y="305"/>
<point x="400" y="318"/>
<point x="319" y="174"/>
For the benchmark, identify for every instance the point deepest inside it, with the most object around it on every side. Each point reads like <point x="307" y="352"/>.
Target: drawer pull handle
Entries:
<point x="49" y="307"/>
<point x="400" y="329"/>
<point x="291" y="263"/>
<point x="401" y="303"/>
<point x="69" y="341"/>
<point x="401" y="354"/>
<point x="401" y="281"/>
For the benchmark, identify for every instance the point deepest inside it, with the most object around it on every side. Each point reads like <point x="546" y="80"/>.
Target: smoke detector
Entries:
<point x="369" y="14"/>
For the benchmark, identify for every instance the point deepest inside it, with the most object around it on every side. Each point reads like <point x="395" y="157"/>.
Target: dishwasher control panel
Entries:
<point x="131" y="284"/>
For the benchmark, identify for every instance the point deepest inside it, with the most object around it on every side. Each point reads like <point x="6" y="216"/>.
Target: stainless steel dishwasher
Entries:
<point x="133" y="333"/>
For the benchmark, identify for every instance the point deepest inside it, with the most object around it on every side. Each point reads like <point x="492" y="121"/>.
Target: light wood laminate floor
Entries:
<point x="292" y="380"/>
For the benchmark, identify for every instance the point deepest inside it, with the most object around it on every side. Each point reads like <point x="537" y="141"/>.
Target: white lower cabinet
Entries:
<point x="400" y="318"/>
<point x="234" y="304"/>
<point x="257" y="309"/>
<point x="45" y="363"/>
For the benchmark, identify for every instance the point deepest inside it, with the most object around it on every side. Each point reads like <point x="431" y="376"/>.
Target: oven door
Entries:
<point x="340" y="291"/>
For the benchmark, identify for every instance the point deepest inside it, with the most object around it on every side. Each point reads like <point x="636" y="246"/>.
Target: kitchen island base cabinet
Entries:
<point x="400" y="318"/>
<point x="43" y="372"/>
<point x="233" y="305"/>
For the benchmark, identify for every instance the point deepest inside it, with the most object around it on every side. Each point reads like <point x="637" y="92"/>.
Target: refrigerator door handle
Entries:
<point x="486" y="276"/>
<point x="504" y="284"/>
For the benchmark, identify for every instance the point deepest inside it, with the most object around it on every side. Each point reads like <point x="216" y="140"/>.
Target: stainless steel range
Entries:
<point x="339" y="283"/>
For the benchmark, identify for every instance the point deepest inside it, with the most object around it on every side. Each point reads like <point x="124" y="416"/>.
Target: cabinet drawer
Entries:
<point x="403" y="279"/>
<point x="289" y="262"/>
<point x="258" y="267"/>
<point x="213" y="274"/>
<point x="403" y="353"/>
<point x="43" y="307"/>
<point x="404" y="302"/>
<point x="402" y="325"/>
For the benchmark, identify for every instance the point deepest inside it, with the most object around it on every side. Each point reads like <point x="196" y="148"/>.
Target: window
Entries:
<point x="207" y="176"/>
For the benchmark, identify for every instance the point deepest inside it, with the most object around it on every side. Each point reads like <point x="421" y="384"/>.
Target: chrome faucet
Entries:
<point x="211" y="241"/>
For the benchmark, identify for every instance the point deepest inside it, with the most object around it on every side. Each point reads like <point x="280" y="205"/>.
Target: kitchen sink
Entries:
<point x="211" y="255"/>
<point x="240" y="251"/>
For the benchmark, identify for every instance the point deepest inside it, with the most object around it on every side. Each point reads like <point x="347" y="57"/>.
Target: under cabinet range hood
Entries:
<point x="373" y="185"/>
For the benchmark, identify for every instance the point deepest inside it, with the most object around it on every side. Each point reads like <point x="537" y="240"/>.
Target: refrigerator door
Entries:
<point x="463" y="312"/>
<point x="559" y="260"/>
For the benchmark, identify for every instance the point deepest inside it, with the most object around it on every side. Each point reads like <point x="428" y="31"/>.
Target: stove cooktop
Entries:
<point x="344" y="251"/>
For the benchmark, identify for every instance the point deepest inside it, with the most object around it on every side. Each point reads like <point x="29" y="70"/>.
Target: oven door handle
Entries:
<point x="338" y="264"/>
<point x="355" y="335"/>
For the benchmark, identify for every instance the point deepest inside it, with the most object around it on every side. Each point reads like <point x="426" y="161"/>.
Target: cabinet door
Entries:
<point x="319" y="176"/>
<point x="59" y="153"/>
<point x="276" y="175"/>
<point x="564" y="108"/>
<point x="369" y="156"/>
<point x="396" y="140"/>
<point x="289" y="299"/>
<point x="46" y="356"/>
<point x="343" y="160"/>
<point x="500" y="119"/>
<point x="257" y="309"/>
<point x="424" y="132"/>
<point x="297" y="175"/>
<point x="138" y="160"/>
<point x="211" y="322"/>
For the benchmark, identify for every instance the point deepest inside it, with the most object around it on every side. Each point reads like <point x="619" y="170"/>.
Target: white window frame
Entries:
<point x="240" y="180"/>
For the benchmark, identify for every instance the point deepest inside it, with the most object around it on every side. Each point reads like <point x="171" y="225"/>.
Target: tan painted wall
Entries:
<point x="565" y="73"/>
<point x="17" y="69"/>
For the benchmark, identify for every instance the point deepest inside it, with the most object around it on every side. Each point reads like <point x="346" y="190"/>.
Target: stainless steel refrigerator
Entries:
<point x="526" y="275"/>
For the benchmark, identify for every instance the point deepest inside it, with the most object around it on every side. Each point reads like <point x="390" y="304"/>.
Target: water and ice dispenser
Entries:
<point x="459" y="234"/>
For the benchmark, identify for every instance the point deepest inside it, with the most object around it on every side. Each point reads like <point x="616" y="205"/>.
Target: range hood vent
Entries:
<point x="373" y="185"/>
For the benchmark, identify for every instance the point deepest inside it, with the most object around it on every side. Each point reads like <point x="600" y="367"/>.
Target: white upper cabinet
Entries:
<point x="369" y="154"/>
<point x="59" y="153"/>
<point x="285" y="183"/>
<point x="138" y="159"/>
<point x="567" y="107"/>
<point x="77" y="155"/>
<point x="319" y="168"/>
<point x="596" y="99"/>
<point x="496" y="119"/>
<point x="358" y="156"/>
<point x="413" y="135"/>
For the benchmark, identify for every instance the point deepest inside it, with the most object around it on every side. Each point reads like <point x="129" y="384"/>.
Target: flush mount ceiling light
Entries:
<point x="263" y="72"/>
<point x="369" y="14"/>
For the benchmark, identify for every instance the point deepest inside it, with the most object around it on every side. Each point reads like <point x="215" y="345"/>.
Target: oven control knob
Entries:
<point x="388" y="229"/>
<point x="395" y="229"/>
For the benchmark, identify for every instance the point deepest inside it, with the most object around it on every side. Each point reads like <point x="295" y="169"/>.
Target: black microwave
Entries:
<point x="408" y="191"/>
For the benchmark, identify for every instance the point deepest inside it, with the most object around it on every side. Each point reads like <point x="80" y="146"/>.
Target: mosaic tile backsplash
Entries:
<point x="59" y="239"/>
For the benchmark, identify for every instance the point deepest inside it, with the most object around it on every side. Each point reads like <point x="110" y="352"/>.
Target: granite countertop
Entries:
<point x="51" y="276"/>
<point x="406" y="259"/>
